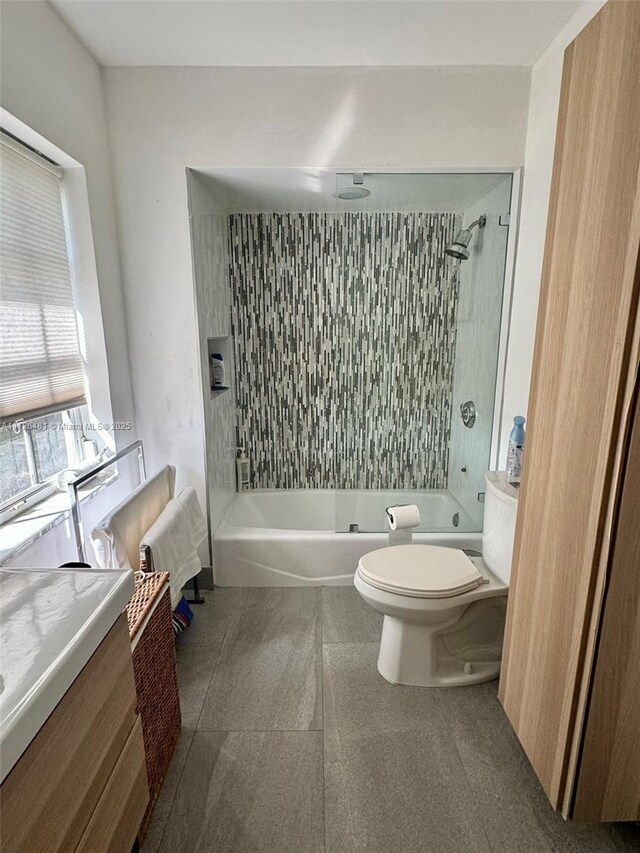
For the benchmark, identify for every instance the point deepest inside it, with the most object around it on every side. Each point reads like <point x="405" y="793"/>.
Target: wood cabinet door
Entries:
<point x="51" y="793"/>
<point x="608" y="783"/>
<point x="585" y="358"/>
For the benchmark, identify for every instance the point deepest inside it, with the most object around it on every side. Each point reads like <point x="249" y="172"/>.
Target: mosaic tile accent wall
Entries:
<point x="344" y="331"/>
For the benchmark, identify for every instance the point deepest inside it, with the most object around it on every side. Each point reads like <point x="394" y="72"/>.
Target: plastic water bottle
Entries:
<point x="515" y="450"/>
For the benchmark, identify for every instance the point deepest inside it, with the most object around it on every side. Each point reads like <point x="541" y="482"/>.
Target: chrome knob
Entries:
<point x="468" y="413"/>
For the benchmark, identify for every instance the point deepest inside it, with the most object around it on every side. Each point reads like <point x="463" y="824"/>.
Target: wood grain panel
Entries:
<point x="114" y="824"/>
<point x="51" y="793"/>
<point x="582" y="359"/>
<point x="609" y="776"/>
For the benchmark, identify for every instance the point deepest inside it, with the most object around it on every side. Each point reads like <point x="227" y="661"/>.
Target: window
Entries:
<point x="33" y="453"/>
<point x="42" y="388"/>
<point x="40" y="359"/>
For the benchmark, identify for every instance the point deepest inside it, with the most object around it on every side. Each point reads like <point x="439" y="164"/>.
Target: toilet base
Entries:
<point x="412" y="653"/>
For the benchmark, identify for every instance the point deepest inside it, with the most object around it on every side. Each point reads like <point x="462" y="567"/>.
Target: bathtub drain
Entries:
<point x="353" y="528"/>
<point x="456" y="519"/>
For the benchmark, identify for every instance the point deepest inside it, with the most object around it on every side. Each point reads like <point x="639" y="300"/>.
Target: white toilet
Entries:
<point x="444" y="611"/>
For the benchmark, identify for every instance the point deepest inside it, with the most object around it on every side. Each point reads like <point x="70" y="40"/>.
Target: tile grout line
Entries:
<point x="213" y="669"/>
<point x="175" y="793"/>
<point x="324" y="725"/>
<point x="352" y="836"/>
<point x="195" y="729"/>
<point x="468" y="780"/>
<point x="249" y="731"/>
<point x="261" y="731"/>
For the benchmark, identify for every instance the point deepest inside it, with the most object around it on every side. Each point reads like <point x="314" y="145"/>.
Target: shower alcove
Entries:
<point x="351" y="339"/>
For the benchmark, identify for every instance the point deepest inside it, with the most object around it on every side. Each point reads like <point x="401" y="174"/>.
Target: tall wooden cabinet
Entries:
<point x="608" y="784"/>
<point x="570" y="682"/>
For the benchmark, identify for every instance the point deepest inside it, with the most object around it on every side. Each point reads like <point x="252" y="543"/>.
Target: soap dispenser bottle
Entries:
<point x="243" y="482"/>
<point x="515" y="450"/>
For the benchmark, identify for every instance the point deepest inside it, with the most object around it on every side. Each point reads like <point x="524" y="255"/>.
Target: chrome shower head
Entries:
<point x="460" y="247"/>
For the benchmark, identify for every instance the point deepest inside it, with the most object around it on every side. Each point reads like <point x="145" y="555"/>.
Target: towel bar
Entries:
<point x="74" y="486"/>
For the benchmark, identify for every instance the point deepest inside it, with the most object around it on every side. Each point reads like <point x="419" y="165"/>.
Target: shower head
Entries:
<point x="355" y="192"/>
<point x="460" y="247"/>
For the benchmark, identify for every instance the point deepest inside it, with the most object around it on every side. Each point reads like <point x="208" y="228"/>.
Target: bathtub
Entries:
<point x="301" y="537"/>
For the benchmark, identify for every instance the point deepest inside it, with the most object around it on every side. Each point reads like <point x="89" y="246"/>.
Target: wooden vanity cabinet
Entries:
<point x="81" y="784"/>
<point x="570" y="681"/>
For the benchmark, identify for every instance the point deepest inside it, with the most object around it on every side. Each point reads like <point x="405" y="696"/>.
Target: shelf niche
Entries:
<point x="224" y="346"/>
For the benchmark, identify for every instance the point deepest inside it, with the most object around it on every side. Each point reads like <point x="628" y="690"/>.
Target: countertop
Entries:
<point x="51" y="622"/>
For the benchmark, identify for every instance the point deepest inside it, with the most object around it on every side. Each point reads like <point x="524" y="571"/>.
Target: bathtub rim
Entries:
<point x="249" y="530"/>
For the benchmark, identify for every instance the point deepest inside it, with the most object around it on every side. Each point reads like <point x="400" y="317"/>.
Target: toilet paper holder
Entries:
<point x="400" y="522"/>
<point x="400" y="530"/>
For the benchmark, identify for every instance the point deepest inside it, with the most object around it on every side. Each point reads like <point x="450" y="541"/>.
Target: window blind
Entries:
<point x="40" y="359"/>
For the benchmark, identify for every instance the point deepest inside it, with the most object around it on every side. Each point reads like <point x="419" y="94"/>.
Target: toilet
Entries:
<point x="444" y="611"/>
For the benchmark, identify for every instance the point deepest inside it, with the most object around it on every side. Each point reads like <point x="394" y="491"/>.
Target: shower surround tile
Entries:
<point x="344" y="332"/>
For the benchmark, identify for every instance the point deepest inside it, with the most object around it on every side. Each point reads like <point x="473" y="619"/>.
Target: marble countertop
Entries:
<point x="51" y="622"/>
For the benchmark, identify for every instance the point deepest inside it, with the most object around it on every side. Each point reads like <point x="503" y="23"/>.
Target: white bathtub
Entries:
<point x="300" y="537"/>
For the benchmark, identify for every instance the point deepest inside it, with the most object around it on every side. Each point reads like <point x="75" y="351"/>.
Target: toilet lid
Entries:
<point x="422" y="571"/>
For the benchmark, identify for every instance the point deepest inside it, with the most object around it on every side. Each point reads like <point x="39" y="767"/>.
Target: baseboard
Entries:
<point x="205" y="578"/>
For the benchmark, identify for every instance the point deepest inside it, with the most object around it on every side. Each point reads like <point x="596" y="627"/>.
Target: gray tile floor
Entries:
<point x="292" y="743"/>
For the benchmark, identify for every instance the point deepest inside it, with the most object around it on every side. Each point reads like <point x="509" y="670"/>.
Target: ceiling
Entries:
<point x="316" y="32"/>
<point x="314" y="190"/>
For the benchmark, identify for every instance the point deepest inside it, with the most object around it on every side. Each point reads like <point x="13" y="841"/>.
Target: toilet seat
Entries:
<point x="420" y="571"/>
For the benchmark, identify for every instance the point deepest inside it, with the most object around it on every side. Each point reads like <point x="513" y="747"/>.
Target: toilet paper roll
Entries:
<point x="403" y="516"/>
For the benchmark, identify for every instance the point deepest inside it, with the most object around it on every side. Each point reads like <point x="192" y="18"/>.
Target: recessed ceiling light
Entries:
<point x="353" y="193"/>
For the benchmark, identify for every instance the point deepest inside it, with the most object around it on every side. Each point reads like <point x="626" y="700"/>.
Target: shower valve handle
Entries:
<point x="468" y="413"/>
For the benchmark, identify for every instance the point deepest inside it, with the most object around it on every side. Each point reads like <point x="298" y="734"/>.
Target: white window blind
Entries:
<point x="40" y="360"/>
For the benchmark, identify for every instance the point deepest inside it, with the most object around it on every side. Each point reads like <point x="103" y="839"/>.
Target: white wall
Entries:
<point x="477" y="338"/>
<point x="52" y="88"/>
<point x="162" y="120"/>
<point x="538" y="165"/>
<point x="52" y="84"/>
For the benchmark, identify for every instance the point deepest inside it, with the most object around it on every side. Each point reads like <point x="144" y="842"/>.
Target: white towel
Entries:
<point x="174" y="538"/>
<point x="116" y="540"/>
<point x="188" y="499"/>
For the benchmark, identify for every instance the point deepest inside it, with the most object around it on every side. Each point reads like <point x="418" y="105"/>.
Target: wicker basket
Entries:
<point x="154" y="667"/>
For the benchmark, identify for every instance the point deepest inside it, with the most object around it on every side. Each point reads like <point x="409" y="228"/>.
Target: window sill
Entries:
<point x="21" y="532"/>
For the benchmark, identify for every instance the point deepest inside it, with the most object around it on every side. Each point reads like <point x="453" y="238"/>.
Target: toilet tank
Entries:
<point x="499" y="525"/>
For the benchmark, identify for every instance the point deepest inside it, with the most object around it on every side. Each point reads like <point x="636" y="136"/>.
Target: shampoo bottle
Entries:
<point x="217" y="371"/>
<point x="515" y="450"/>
